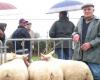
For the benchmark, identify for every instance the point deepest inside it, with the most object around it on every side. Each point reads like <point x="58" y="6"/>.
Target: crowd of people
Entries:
<point x="23" y="31"/>
<point x="86" y="36"/>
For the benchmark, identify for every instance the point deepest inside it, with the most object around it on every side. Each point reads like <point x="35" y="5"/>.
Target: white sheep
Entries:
<point x="14" y="70"/>
<point x="43" y="70"/>
<point x="72" y="70"/>
<point x="6" y="57"/>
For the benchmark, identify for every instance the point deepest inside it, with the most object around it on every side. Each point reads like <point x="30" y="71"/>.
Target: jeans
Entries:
<point x="65" y="53"/>
<point x="95" y="69"/>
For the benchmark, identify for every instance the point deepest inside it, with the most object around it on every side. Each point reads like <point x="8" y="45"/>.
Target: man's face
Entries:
<point x="88" y="12"/>
<point x="22" y="24"/>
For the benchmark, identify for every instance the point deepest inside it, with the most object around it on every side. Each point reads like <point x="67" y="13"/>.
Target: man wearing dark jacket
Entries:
<point x="2" y="33"/>
<point x="21" y="32"/>
<point x="63" y="28"/>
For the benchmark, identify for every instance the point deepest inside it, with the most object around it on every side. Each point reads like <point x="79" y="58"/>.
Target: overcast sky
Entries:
<point x="35" y="12"/>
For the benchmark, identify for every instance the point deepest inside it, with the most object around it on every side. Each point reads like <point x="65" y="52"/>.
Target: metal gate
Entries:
<point x="40" y="45"/>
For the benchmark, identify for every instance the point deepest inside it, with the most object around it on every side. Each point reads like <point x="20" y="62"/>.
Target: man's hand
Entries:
<point x="76" y="38"/>
<point x="86" y="46"/>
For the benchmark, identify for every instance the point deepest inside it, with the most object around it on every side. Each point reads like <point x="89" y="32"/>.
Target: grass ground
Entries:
<point x="35" y="58"/>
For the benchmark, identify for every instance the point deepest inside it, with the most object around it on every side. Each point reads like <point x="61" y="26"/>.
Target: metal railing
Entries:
<point x="3" y="51"/>
<point x="40" y="45"/>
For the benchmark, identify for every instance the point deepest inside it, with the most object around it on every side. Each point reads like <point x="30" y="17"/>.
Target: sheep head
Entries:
<point x="47" y="56"/>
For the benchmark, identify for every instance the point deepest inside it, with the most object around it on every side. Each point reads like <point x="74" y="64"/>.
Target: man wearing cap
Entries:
<point x="62" y="28"/>
<point x="21" y="32"/>
<point x="87" y="40"/>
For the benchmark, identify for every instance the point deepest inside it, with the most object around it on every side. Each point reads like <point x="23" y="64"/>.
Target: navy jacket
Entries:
<point x="21" y="32"/>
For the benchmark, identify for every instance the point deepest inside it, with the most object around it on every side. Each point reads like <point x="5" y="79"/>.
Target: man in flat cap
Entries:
<point x="87" y="39"/>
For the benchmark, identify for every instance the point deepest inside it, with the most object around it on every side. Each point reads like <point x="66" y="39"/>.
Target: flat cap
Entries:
<point x="87" y="5"/>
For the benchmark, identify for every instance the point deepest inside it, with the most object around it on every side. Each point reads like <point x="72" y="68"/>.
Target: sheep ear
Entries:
<point x="25" y="55"/>
<point x="52" y="52"/>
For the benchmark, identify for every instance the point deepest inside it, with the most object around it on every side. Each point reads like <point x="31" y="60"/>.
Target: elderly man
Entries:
<point x="87" y="38"/>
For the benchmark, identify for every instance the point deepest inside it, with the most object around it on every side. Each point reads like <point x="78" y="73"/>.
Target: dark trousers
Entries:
<point x="65" y="53"/>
